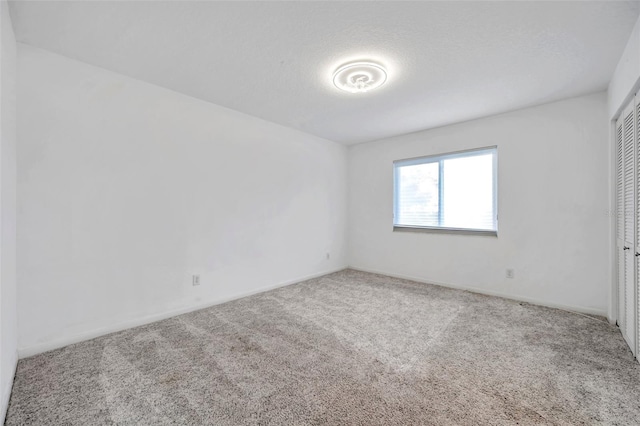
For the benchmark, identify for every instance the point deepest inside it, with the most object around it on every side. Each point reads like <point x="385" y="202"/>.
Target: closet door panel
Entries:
<point x="629" y="176"/>
<point x="636" y="287"/>
<point x="621" y="314"/>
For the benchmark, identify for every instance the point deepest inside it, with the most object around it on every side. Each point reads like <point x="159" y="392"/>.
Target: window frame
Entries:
<point x="439" y="158"/>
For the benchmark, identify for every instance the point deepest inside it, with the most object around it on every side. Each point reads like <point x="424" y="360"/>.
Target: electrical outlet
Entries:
<point x="510" y="273"/>
<point x="195" y="280"/>
<point x="328" y="255"/>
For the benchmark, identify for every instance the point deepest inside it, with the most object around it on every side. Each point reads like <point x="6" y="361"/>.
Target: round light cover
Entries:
<point x="359" y="77"/>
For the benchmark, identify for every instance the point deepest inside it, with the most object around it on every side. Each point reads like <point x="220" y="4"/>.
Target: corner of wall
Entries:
<point x="625" y="80"/>
<point x="7" y="388"/>
<point x="8" y="306"/>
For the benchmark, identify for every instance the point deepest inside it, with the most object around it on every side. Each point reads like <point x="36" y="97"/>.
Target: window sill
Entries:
<point x="433" y="230"/>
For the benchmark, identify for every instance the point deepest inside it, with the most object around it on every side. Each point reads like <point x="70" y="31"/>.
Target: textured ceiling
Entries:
<point x="447" y="61"/>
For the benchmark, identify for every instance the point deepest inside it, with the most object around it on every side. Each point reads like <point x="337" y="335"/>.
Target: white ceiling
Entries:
<point x="447" y="61"/>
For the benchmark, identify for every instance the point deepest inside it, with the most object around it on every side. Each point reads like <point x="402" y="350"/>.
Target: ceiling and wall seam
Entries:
<point x="447" y="62"/>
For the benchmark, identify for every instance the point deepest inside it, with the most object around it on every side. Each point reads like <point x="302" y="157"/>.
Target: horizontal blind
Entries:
<point x="417" y="200"/>
<point x="456" y="190"/>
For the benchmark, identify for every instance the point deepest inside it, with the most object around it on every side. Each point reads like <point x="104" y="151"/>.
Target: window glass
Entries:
<point x="449" y="191"/>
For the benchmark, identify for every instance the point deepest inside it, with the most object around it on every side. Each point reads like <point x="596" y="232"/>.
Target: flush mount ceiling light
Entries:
<point x="359" y="77"/>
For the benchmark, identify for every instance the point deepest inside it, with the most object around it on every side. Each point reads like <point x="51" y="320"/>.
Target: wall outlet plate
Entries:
<point x="195" y="280"/>
<point x="510" y="273"/>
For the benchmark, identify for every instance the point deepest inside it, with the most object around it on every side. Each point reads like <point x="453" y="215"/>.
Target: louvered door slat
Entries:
<point x="620" y="224"/>
<point x="619" y="183"/>
<point x="636" y="299"/>
<point x="628" y="135"/>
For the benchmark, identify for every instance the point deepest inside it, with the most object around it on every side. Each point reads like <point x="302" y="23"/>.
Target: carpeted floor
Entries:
<point x="349" y="348"/>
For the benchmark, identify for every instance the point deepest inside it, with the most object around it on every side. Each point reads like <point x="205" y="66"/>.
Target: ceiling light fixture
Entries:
<point x="359" y="77"/>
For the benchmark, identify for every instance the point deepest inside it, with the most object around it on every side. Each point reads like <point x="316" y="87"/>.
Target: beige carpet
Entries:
<point x="346" y="348"/>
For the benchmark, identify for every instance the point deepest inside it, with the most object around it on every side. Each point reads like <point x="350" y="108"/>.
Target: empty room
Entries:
<point x="319" y="212"/>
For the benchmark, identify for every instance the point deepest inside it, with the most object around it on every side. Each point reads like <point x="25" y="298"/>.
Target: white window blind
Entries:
<point x="456" y="191"/>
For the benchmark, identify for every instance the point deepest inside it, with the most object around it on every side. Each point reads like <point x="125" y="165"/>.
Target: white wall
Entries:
<point x="126" y="189"/>
<point x="8" y="313"/>
<point x="626" y="78"/>
<point x="553" y="200"/>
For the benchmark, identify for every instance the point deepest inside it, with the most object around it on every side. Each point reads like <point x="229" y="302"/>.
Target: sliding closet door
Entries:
<point x="628" y="249"/>
<point x="627" y="132"/>
<point x="636" y="287"/>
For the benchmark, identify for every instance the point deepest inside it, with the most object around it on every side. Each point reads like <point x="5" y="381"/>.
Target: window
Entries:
<point x="453" y="192"/>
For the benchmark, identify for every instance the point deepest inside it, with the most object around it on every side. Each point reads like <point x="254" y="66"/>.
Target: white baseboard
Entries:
<point x="6" y="392"/>
<point x="61" y="342"/>
<point x="580" y="309"/>
<point x="102" y="331"/>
